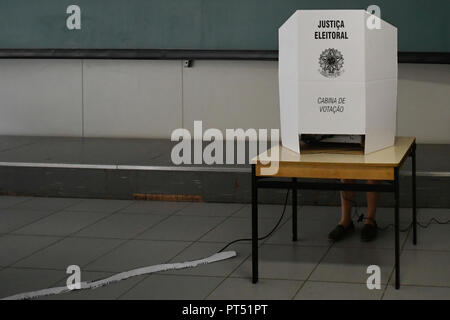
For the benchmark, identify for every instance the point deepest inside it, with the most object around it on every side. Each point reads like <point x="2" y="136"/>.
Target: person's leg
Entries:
<point x="345" y="226"/>
<point x="346" y="205"/>
<point x="372" y="201"/>
<point x="369" y="231"/>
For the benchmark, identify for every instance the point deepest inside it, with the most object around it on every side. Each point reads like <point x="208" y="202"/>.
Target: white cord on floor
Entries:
<point x="123" y="275"/>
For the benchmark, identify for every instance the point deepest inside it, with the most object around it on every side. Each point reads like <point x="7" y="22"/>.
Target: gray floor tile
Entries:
<point x="320" y="212"/>
<point x="136" y="254"/>
<point x="324" y="212"/>
<point x="100" y="205"/>
<point x="385" y="239"/>
<point x="62" y="223"/>
<point x="70" y="251"/>
<point x="425" y="214"/>
<point x="283" y="262"/>
<point x="417" y="293"/>
<point x="340" y="275"/>
<point x="386" y="216"/>
<point x="165" y="287"/>
<point x="109" y="292"/>
<point x="90" y="150"/>
<point x="124" y="226"/>
<point x="14" y="142"/>
<point x="311" y="232"/>
<point x="8" y="201"/>
<point x="14" y="281"/>
<point x="210" y="209"/>
<point x="14" y="247"/>
<point x="185" y="228"/>
<point x="13" y="219"/>
<point x="236" y="228"/>
<point x="49" y="149"/>
<point x="425" y="268"/>
<point x="47" y="204"/>
<point x="86" y="150"/>
<point x="313" y="290"/>
<point x="202" y="250"/>
<point x="265" y="289"/>
<point x="435" y="237"/>
<point x="350" y="264"/>
<point x="156" y="207"/>
<point x="269" y="211"/>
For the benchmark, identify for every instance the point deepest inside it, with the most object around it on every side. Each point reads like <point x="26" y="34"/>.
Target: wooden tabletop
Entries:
<point x="377" y="165"/>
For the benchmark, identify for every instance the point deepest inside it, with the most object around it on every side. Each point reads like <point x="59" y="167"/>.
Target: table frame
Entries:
<point x="267" y="182"/>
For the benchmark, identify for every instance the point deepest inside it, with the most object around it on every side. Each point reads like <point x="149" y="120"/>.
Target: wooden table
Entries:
<point x="380" y="165"/>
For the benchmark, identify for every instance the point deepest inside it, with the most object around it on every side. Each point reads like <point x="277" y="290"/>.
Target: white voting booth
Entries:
<point x="338" y="76"/>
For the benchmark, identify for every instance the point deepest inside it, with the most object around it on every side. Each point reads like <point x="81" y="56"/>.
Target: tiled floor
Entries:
<point x="40" y="237"/>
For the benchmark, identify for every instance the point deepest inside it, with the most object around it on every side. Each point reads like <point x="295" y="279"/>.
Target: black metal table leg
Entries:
<point x="413" y="151"/>
<point x="397" y="229"/>
<point x="254" y="225"/>
<point x="294" y="209"/>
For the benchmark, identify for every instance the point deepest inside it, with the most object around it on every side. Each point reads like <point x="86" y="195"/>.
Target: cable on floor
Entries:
<point x="360" y="217"/>
<point x="267" y="235"/>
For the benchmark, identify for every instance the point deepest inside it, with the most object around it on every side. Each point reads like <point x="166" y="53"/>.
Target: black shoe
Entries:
<point x="369" y="231"/>
<point x="340" y="232"/>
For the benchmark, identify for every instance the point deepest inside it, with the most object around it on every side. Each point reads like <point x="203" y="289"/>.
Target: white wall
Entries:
<point x="40" y="97"/>
<point x="424" y="102"/>
<point x="129" y="98"/>
<point x="231" y="94"/>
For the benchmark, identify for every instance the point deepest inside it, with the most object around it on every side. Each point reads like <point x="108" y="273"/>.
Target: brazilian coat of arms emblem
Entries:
<point x="331" y="63"/>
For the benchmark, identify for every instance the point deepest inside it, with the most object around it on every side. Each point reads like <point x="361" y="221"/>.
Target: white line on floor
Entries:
<point x="123" y="275"/>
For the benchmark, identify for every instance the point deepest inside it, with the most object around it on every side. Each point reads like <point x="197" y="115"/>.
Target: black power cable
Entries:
<point x="423" y="226"/>
<point x="267" y="235"/>
<point x="359" y="216"/>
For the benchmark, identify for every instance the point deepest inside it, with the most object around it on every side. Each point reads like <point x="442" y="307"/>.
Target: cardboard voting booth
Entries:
<point x="338" y="75"/>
